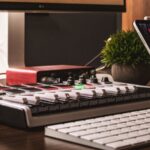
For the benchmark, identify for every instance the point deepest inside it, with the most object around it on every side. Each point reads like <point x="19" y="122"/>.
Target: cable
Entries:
<point x="93" y="59"/>
<point x="100" y="68"/>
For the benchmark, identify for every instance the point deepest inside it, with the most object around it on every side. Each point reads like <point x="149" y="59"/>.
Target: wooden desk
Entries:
<point x="17" y="139"/>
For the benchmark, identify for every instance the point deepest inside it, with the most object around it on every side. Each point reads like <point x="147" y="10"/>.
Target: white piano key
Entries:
<point x="131" y="88"/>
<point x="100" y="92"/>
<point x="89" y="93"/>
<point x="15" y="99"/>
<point x="51" y="97"/>
<point x="63" y="96"/>
<point x="74" y="95"/>
<point x="33" y="100"/>
<point x="122" y="89"/>
<point x="111" y="90"/>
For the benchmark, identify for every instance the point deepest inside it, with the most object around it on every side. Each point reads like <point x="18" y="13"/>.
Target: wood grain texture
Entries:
<point x="136" y="9"/>
<point x="17" y="139"/>
<point x="113" y="2"/>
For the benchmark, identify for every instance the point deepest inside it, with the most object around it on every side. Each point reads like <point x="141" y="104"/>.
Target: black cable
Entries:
<point x="93" y="59"/>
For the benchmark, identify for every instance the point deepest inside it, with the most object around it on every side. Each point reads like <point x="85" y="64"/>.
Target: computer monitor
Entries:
<point x="71" y="5"/>
<point x="37" y="39"/>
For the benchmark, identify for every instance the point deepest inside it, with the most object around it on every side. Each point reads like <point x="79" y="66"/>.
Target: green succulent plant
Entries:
<point x="124" y="47"/>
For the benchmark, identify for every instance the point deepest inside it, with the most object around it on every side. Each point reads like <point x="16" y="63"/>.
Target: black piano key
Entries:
<point x="26" y="88"/>
<point x="14" y="91"/>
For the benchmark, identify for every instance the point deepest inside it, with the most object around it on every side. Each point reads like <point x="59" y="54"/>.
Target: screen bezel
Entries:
<point x="30" y="6"/>
<point x="141" y="35"/>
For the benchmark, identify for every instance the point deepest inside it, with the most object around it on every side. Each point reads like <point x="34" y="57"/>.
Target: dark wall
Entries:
<point x="62" y="38"/>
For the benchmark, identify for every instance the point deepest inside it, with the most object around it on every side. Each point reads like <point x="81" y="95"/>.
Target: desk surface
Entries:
<point x="17" y="139"/>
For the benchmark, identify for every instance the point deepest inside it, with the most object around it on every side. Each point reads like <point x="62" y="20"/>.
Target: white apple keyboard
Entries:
<point x="111" y="132"/>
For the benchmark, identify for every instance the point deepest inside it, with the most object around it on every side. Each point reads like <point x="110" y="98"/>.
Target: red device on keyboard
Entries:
<point x="32" y="75"/>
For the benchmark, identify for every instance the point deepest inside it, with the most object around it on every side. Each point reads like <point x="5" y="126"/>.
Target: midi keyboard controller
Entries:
<point x="39" y="96"/>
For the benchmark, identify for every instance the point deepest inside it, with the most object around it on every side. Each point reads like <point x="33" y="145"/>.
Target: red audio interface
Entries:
<point x="33" y="75"/>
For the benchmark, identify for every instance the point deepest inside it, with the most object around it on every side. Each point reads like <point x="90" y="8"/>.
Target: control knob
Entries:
<point x="82" y="79"/>
<point x="93" y="77"/>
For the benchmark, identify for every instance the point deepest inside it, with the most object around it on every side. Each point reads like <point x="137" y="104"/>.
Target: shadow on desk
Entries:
<point x="17" y="139"/>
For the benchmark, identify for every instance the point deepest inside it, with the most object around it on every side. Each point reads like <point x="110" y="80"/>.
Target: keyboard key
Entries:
<point x="96" y="136"/>
<point x="120" y="131"/>
<point x="107" y="140"/>
<point x="119" y="144"/>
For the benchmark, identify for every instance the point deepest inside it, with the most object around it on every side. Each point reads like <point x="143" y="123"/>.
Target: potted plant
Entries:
<point x="127" y="57"/>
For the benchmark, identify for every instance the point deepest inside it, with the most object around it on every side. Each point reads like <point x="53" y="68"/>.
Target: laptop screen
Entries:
<point x="143" y="29"/>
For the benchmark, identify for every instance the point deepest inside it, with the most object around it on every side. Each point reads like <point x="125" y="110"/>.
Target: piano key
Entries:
<point x="33" y="100"/>
<point x="89" y="93"/>
<point x="122" y="89"/>
<point x="14" y="99"/>
<point x="100" y="92"/>
<point x="111" y="90"/>
<point x="29" y="88"/>
<point x="63" y="96"/>
<point x="73" y="95"/>
<point x="131" y="88"/>
<point x="2" y="93"/>
<point x="50" y="97"/>
<point x="13" y="91"/>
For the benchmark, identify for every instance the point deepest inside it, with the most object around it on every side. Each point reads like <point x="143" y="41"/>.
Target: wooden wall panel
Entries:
<point x="136" y="9"/>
